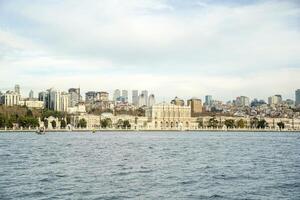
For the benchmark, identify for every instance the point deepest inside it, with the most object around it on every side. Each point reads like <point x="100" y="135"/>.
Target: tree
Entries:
<point x="68" y="119"/>
<point x="29" y="113"/>
<point x="32" y="122"/>
<point x="213" y="122"/>
<point x="241" y="123"/>
<point x="254" y="122"/>
<point x="140" y="112"/>
<point x="9" y="123"/>
<point x="106" y="123"/>
<point x="63" y="124"/>
<point x="22" y="122"/>
<point x="200" y="122"/>
<point x="280" y="125"/>
<point x="2" y="121"/>
<point x="46" y="123"/>
<point x="47" y="113"/>
<point x="262" y="124"/>
<point x="82" y="123"/>
<point x="119" y="123"/>
<point x="229" y="123"/>
<point x="126" y="124"/>
<point x="53" y="123"/>
<point x="27" y="122"/>
<point x="103" y="123"/>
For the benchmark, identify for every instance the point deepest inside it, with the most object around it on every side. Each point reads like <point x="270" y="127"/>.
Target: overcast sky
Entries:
<point x="172" y="48"/>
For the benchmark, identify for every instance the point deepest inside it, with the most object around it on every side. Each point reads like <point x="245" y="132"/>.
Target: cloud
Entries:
<point x="176" y="48"/>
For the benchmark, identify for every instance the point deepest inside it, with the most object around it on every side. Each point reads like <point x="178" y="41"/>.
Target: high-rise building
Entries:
<point x="117" y="95"/>
<point x="196" y="106"/>
<point x="58" y="101"/>
<point x="31" y="94"/>
<point x="44" y="96"/>
<point x="177" y="101"/>
<point x="208" y="100"/>
<point x="297" y="97"/>
<point x="11" y="98"/>
<point x="145" y="93"/>
<point x="75" y="97"/>
<point x="124" y="95"/>
<point x="54" y="99"/>
<point x="242" y="101"/>
<point x="135" y="97"/>
<point x="142" y="101"/>
<point x="102" y="96"/>
<point x="17" y="89"/>
<point x="256" y="103"/>
<point x="289" y="102"/>
<point x="275" y="100"/>
<point x="90" y="96"/>
<point x="64" y="102"/>
<point x="151" y="100"/>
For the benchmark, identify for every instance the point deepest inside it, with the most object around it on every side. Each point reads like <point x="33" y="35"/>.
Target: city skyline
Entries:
<point x="150" y="99"/>
<point x="186" y="49"/>
<point x="122" y="94"/>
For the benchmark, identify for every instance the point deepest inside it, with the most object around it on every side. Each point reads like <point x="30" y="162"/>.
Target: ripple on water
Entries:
<point x="150" y="166"/>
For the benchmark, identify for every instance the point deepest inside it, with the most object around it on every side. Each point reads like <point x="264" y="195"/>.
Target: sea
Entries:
<point x="150" y="165"/>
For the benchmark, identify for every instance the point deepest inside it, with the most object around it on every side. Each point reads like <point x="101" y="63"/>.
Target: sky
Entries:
<point x="188" y="48"/>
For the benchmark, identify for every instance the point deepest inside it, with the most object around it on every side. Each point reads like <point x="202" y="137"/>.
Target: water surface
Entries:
<point x="151" y="165"/>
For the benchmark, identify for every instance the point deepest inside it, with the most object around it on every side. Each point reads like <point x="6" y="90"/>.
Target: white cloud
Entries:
<point x="213" y="48"/>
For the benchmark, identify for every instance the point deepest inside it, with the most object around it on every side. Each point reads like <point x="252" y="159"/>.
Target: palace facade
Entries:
<point x="165" y="116"/>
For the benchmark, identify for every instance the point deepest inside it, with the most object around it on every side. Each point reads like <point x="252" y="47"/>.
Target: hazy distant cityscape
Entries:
<point x="99" y="109"/>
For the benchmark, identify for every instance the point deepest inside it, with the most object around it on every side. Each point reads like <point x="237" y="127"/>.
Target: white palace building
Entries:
<point x="169" y="116"/>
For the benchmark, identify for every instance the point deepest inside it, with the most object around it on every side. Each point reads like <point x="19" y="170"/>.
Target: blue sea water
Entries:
<point x="150" y="165"/>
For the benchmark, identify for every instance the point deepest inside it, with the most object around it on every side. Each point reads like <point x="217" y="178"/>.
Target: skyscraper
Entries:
<point x="102" y="96"/>
<point x="151" y="100"/>
<point x="196" y="106"/>
<point x="208" y="100"/>
<point x="75" y="97"/>
<point x="135" y="97"/>
<point x="242" y="101"/>
<point x="17" y="89"/>
<point x="90" y="97"/>
<point x="31" y="94"/>
<point x="297" y="97"/>
<point x="124" y="95"/>
<point x="145" y="93"/>
<point x="274" y="100"/>
<point x="54" y="99"/>
<point x="142" y="101"/>
<point x="44" y="96"/>
<point x="64" y="101"/>
<point x="117" y="95"/>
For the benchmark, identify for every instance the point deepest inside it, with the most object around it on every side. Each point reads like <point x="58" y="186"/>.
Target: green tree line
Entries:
<point x="25" y="117"/>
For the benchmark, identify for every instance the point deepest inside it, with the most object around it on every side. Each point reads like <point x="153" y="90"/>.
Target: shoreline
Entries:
<point x="147" y="130"/>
